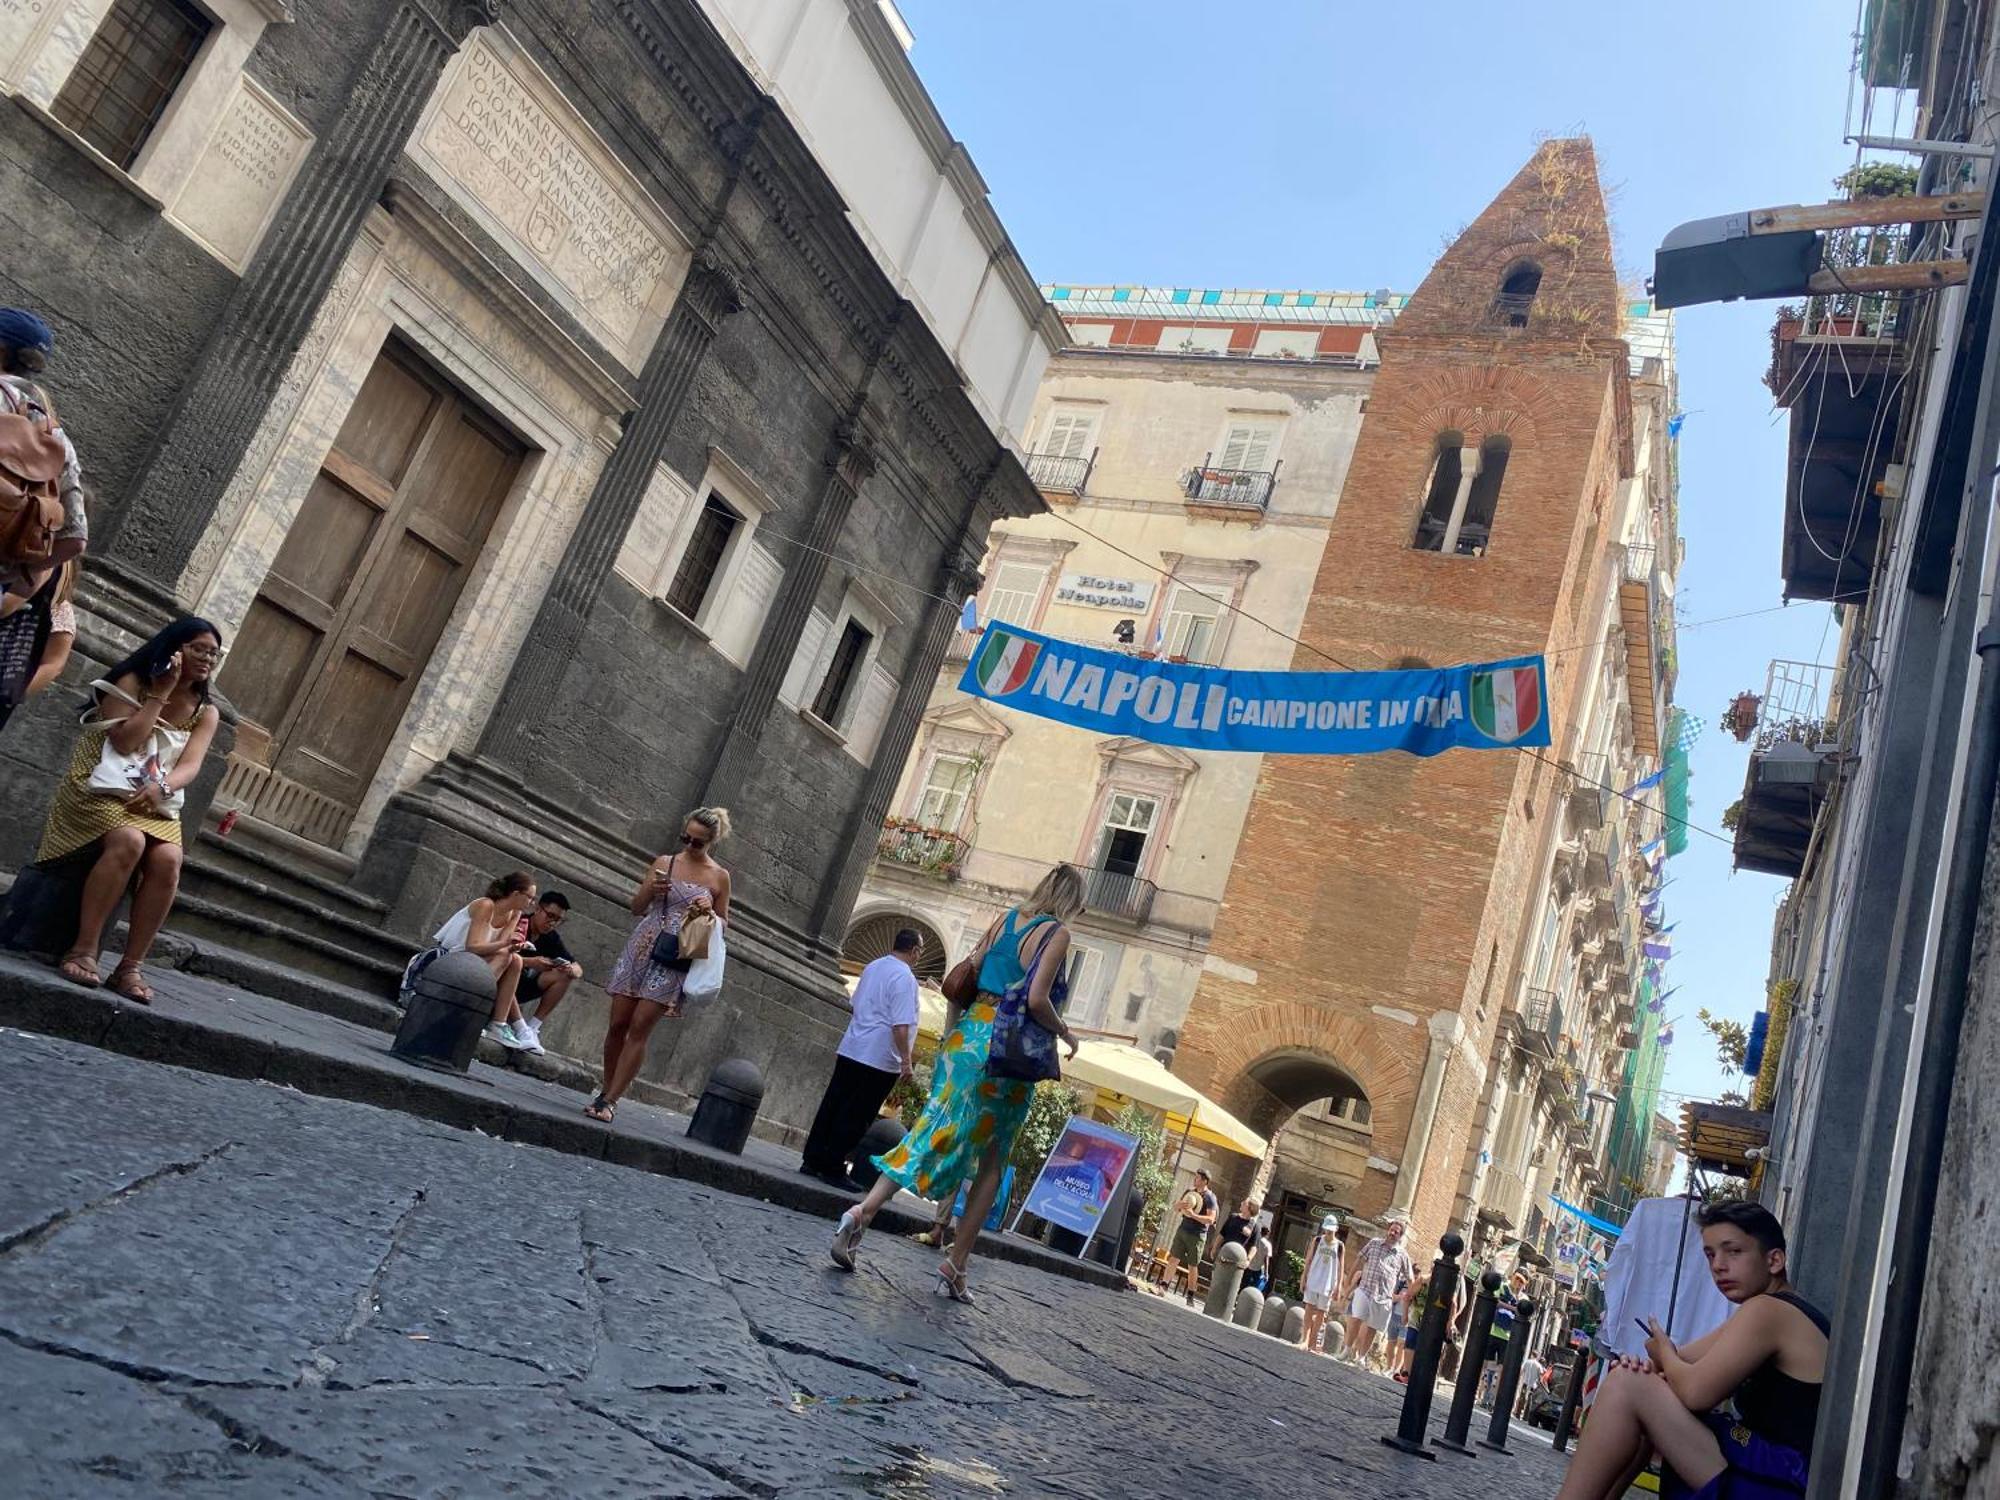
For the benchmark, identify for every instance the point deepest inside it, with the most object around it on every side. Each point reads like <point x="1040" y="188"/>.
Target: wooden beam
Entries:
<point x="1857" y="212"/>
<point x="1913" y="277"/>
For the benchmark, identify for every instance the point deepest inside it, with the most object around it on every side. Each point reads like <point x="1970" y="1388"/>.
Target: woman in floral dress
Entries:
<point x="969" y="1123"/>
<point x="677" y="886"/>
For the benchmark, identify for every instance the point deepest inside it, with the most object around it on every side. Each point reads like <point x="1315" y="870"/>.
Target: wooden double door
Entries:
<point x="360" y="592"/>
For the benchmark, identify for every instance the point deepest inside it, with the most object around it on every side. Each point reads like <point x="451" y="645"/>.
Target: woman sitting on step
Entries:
<point x="490" y="928"/>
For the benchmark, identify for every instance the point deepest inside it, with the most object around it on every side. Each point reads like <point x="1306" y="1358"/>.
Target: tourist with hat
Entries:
<point x="1322" y="1278"/>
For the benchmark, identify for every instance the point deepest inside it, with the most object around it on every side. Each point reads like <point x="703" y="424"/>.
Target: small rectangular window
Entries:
<point x="713" y="529"/>
<point x="838" y="685"/>
<point x="126" y="77"/>
<point x="1248" y="445"/>
<point x="1189" y="628"/>
<point x="1069" y="433"/>
<point x="1128" y="822"/>
<point x="946" y="792"/>
<point x="1017" y="589"/>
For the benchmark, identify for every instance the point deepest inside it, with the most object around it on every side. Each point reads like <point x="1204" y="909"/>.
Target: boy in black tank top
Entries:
<point x="1732" y="1413"/>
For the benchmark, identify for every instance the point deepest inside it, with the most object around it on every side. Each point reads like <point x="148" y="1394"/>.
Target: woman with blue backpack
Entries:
<point x="1005" y="1019"/>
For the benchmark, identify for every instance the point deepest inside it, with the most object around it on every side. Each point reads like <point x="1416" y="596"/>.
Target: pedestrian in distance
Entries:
<point x="1379" y="1269"/>
<point x="878" y="1048"/>
<point x="490" y="928"/>
<point x="117" y="811"/>
<point x="1505" y="1301"/>
<point x="1734" y="1412"/>
<point x="1240" y="1228"/>
<point x="1257" y="1270"/>
<point x="1197" y="1210"/>
<point x="645" y="983"/>
<point x="548" y="968"/>
<point x="62" y="631"/>
<point x="1533" y="1373"/>
<point x="968" y="1125"/>
<point x="1322" y="1279"/>
<point x="1416" y="1303"/>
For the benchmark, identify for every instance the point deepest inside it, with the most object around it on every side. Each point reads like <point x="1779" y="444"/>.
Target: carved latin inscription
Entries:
<point x="504" y="142"/>
<point x="241" y="174"/>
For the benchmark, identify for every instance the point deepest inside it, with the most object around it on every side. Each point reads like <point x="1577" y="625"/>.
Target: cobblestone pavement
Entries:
<point x="216" y="1287"/>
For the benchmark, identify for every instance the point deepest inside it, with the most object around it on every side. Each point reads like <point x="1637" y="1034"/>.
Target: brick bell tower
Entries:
<point x="1368" y="939"/>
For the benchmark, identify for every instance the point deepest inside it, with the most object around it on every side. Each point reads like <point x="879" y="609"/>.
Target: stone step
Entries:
<point x="288" y="867"/>
<point x="229" y="909"/>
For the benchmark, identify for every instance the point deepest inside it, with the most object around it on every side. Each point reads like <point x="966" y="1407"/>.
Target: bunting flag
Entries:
<point x="1666" y="1036"/>
<point x="1657" y="950"/>
<point x="968" y="617"/>
<point x="1675" y="423"/>
<point x="1647" y="783"/>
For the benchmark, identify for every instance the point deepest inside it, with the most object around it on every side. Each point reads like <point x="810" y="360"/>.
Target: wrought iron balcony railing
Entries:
<point x="929" y="850"/>
<point x="1061" y="474"/>
<point x="1124" y="898"/>
<point x="1236" y="489"/>
<point x="1542" y="1021"/>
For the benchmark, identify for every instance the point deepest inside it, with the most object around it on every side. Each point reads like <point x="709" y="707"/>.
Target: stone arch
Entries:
<point x="1482" y="402"/>
<point x="873" y="934"/>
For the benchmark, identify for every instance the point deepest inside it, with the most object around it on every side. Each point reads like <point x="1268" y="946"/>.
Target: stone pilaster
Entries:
<point x="710" y="295"/>
<point x="842" y="887"/>
<point x="174" y="495"/>
<point x="848" y="466"/>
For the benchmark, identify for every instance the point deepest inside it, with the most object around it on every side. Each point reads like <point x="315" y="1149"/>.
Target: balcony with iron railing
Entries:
<point x="927" y="851"/>
<point x="1246" y="491"/>
<point x="1796" y="746"/>
<point x="1587" y="799"/>
<point x="1642" y="606"/>
<point x="1061" y="473"/>
<point x="1540" y="1022"/>
<point x="1504" y="1197"/>
<point x="1118" y="896"/>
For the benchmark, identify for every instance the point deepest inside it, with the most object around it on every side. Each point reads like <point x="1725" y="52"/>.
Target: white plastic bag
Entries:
<point x="704" y="975"/>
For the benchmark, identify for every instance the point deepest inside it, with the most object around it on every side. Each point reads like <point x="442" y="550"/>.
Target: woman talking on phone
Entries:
<point x="645" y="983"/>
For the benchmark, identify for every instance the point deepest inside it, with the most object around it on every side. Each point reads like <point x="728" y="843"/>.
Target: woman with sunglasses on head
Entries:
<point x="149" y="727"/>
<point x="643" y="989"/>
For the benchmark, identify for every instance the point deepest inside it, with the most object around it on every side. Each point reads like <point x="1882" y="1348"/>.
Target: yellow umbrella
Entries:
<point x="1126" y="1071"/>
<point x="1216" y="1126"/>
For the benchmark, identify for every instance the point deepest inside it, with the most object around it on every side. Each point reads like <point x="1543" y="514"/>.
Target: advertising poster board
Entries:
<point x="1077" y="1183"/>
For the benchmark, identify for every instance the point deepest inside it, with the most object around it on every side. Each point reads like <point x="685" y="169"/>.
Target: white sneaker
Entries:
<point x="530" y="1037"/>
<point x="534" y="1027"/>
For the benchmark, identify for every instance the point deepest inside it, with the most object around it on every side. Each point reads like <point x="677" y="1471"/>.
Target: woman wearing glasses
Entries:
<point x="118" y="808"/>
<point x="642" y="990"/>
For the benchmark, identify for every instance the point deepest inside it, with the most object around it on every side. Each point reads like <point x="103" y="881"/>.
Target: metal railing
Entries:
<point x="1511" y="309"/>
<point x="1239" y="489"/>
<point x="930" y="850"/>
<point x="1542" y="1021"/>
<point x="1059" y="473"/>
<point x="1801" y="706"/>
<point x="1125" y="898"/>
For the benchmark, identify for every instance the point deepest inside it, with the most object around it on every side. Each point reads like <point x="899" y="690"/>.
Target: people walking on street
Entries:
<point x="62" y="630"/>
<point x="490" y="928"/>
<point x="878" y="1048"/>
<point x="1505" y="1301"/>
<point x="1416" y="1303"/>
<point x="1257" y="1270"/>
<point x="548" y="968"/>
<point x="645" y="983"/>
<point x="1322" y="1279"/>
<point x="118" y="809"/>
<point x="1197" y="1210"/>
<point x="1240" y="1228"/>
<point x="1379" y="1269"/>
<point x="1734" y="1412"/>
<point x="968" y="1126"/>
<point x="1533" y="1372"/>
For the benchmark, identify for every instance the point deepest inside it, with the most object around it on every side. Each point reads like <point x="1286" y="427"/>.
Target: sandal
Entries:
<point x="951" y="1283"/>
<point x="80" y="969"/>
<point x="601" y="1109"/>
<point x="129" y="983"/>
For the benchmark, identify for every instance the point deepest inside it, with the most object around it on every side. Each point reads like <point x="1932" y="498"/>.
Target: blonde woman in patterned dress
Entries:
<point x="642" y="992"/>
<point x="969" y="1123"/>
<point x="158" y="695"/>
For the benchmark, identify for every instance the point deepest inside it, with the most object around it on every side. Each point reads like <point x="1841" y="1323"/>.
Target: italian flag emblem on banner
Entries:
<point x="1005" y="660"/>
<point x="1506" y="704"/>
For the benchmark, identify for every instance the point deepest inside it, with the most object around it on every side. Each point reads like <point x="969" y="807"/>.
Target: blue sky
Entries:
<point x="1279" y="143"/>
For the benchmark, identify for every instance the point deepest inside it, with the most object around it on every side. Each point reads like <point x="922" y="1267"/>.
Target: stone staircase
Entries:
<point x="253" y="893"/>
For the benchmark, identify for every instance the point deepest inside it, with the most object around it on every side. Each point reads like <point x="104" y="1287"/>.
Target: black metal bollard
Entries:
<point x="1510" y="1380"/>
<point x="451" y="1004"/>
<point x="1410" y="1430"/>
<point x="1572" y="1398"/>
<point x="1464" y="1395"/>
<point x="728" y="1106"/>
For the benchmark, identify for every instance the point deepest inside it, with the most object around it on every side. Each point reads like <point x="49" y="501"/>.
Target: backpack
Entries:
<point x="32" y="459"/>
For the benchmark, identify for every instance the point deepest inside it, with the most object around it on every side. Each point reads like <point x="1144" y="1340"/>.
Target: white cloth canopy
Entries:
<point x="1659" y="1234"/>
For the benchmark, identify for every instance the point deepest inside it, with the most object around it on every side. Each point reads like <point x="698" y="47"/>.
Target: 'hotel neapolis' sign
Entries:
<point x="1487" y="706"/>
<point x="1129" y="594"/>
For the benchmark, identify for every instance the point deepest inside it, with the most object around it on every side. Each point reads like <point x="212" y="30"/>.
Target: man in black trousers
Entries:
<point x="877" y="1050"/>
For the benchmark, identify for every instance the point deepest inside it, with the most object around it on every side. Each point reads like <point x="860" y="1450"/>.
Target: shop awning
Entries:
<point x="1118" y="1068"/>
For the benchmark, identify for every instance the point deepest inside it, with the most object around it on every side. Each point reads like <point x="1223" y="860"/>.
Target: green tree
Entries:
<point x="1732" y="1039"/>
<point x="1154" y="1178"/>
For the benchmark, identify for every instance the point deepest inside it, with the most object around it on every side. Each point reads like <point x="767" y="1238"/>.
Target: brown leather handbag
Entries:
<point x="961" y="985"/>
<point x="31" y="466"/>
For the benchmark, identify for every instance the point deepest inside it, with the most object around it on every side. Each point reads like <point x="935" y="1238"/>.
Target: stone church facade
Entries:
<point x="563" y="430"/>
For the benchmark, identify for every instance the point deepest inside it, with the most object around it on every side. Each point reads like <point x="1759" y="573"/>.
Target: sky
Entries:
<point x="1308" y="144"/>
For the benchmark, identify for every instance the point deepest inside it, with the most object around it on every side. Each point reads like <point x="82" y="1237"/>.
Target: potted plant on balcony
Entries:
<point x="1740" y="718"/>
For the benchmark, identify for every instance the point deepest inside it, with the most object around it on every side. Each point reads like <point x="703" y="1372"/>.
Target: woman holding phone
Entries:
<point x="644" y="989"/>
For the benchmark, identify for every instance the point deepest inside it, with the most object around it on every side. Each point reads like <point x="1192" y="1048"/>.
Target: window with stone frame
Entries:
<point x="1015" y="595"/>
<point x="123" y="82"/>
<point x="714" y="528"/>
<point x="1071" y="432"/>
<point x="1088" y="1002"/>
<point x="843" y="673"/>
<point x="1129" y="819"/>
<point x="1248" y="443"/>
<point x="948" y="788"/>
<point x="1190" y="625"/>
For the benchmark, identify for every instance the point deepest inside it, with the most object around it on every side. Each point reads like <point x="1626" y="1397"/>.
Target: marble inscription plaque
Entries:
<point x="505" y="143"/>
<point x="19" y="20"/>
<point x="241" y="174"/>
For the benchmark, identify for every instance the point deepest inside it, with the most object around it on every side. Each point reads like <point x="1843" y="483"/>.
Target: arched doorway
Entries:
<point x="1321" y="1124"/>
<point x="875" y="934"/>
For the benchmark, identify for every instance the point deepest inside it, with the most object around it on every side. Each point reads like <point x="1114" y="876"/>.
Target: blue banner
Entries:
<point x="1497" y="705"/>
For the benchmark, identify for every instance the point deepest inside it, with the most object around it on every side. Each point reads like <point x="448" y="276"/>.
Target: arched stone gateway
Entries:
<point x="873" y="935"/>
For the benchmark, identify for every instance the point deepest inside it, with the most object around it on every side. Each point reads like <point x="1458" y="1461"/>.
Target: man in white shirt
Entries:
<point x="877" y="1050"/>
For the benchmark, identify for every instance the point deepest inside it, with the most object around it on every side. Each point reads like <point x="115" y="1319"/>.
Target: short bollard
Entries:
<point x="1272" y="1319"/>
<point x="1465" y="1395"/>
<point x="728" y="1106"/>
<point x="877" y="1140"/>
<point x="1510" y="1380"/>
<point x="1410" y="1430"/>
<point x="451" y="1004"/>
<point x="1225" y="1279"/>
<point x="1295" y="1325"/>
<point x="1572" y="1398"/>
<point x="1249" y="1307"/>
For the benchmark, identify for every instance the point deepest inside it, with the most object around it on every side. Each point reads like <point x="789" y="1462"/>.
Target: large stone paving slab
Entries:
<point x="212" y="1287"/>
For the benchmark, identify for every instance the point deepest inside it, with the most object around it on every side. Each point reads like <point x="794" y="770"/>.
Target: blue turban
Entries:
<point x="23" y="330"/>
